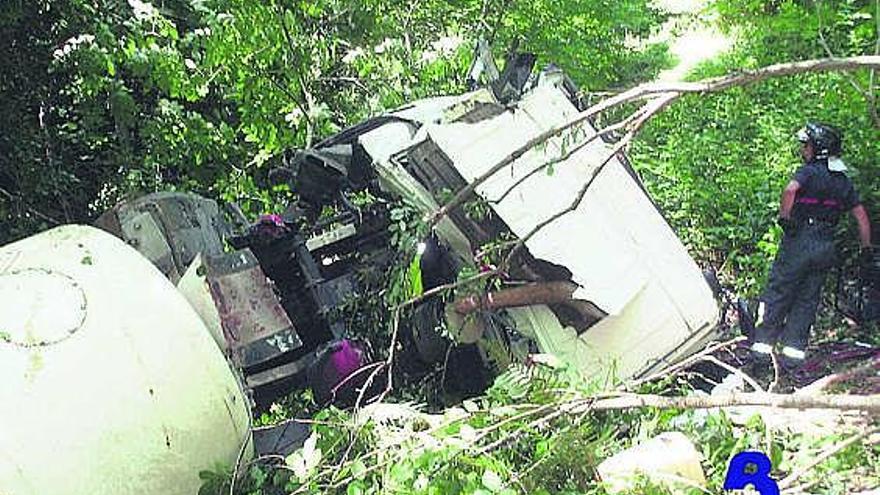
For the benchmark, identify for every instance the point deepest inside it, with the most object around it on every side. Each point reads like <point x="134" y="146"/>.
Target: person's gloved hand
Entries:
<point x="789" y="226"/>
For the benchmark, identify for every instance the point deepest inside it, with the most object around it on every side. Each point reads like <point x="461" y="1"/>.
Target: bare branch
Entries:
<point x="791" y="478"/>
<point x="650" y="109"/>
<point x="387" y="365"/>
<point x="565" y="156"/>
<point x="33" y="211"/>
<point x="674" y="91"/>
<point x="524" y="295"/>
<point x="867" y="403"/>
<point x="572" y="207"/>
<point x="717" y="84"/>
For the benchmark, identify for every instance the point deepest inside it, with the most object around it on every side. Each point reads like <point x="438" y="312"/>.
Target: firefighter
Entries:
<point x="811" y="205"/>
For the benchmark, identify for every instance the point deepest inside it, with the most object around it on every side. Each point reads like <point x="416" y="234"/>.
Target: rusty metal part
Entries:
<point x="254" y="324"/>
<point x="525" y="295"/>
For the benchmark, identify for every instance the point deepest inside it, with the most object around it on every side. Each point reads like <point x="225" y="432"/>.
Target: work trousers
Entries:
<point x="796" y="279"/>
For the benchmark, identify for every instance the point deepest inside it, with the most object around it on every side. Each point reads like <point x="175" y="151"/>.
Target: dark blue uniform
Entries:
<point x="806" y="254"/>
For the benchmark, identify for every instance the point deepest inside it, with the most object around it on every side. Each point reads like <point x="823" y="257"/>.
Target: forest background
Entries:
<point x="104" y="99"/>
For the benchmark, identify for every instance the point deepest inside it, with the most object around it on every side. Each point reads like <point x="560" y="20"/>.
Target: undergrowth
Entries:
<point x="532" y="432"/>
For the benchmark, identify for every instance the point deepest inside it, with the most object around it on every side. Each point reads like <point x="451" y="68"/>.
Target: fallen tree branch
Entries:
<point x="791" y="478"/>
<point x="524" y="295"/>
<point x="649" y="109"/>
<point x="388" y="365"/>
<point x="559" y="159"/>
<point x="673" y="91"/>
<point x="868" y="403"/>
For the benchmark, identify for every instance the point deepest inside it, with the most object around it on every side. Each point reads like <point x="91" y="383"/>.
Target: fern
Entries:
<point x="535" y="382"/>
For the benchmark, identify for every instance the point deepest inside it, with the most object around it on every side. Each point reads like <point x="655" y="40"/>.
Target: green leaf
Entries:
<point x="415" y="276"/>
<point x="358" y="468"/>
<point x="492" y="481"/>
<point x="402" y="473"/>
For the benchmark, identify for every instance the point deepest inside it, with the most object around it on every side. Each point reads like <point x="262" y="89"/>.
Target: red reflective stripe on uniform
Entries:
<point x="806" y="200"/>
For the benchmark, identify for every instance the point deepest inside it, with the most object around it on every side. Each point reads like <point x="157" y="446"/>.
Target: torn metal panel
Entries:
<point x="255" y="325"/>
<point x="169" y="228"/>
<point x="621" y="253"/>
<point x="445" y="109"/>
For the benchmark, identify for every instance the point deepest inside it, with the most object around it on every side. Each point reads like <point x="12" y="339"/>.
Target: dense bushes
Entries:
<point x="103" y="99"/>
<point x="717" y="164"/>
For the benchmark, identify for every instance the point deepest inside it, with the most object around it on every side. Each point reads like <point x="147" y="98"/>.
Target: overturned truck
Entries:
<point x="614" y="293"/>
<point x="606" y="288"/>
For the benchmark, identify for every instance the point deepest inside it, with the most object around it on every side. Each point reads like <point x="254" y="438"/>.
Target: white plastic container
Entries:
<point x="669" y="459"/>
<point x="109" y="381"/>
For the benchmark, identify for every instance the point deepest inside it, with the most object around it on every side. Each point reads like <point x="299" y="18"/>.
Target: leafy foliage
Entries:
<point x="103" y="99"/>
<point x="106" y="99"/>
<point x="531" y="433"/>
<point x="717" y="164"/>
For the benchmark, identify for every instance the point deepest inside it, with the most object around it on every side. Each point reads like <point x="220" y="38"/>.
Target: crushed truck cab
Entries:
<point x="650" y="303"/>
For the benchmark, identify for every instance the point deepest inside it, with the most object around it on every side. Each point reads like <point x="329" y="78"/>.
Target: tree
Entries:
<point x="106" y="98"/>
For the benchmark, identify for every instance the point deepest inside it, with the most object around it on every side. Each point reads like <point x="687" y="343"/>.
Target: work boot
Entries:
<point x="764" y="339"/>
<point x="791" y="360"/>
<point x="761" y="353"/>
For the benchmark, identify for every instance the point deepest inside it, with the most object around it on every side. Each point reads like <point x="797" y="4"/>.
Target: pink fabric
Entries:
<point x="272" y="218"/>
<point x="815" y="201"/>
<point x="345" y="361"/>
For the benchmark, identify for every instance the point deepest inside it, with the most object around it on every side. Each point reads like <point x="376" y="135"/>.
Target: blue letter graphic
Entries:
<point x="738" y="478"/>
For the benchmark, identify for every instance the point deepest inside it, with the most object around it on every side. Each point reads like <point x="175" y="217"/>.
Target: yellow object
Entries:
<point x="111" y="384"/>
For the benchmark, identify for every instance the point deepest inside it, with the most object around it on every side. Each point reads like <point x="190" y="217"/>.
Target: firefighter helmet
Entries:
<point x="826" y="140"/>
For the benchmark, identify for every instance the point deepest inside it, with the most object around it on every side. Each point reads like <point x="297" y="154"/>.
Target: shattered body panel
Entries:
<point x="615" y="246"/>
<point x="253" y="322"/>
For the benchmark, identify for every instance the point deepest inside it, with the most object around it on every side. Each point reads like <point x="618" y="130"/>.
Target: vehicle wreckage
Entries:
<point x="144" y="356"/>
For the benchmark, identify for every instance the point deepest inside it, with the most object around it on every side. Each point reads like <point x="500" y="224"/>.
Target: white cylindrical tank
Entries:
<point x="109" y="381"/>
